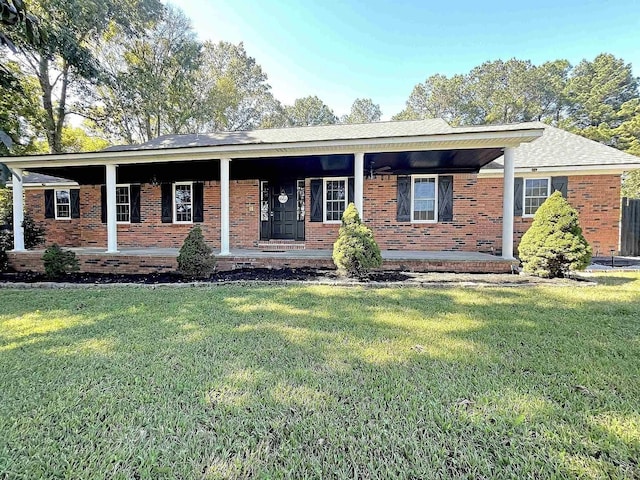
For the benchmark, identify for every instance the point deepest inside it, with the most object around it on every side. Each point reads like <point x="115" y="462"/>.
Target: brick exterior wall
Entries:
<point x="476" y="225"/>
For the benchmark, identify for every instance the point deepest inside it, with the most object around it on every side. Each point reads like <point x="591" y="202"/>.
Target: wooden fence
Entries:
<point x="630" y="228"/>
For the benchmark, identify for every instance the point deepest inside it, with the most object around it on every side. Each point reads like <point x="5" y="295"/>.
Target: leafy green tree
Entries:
<point x="236" y="95"/>
<point x="309" y="111"/>
<point x="355" y="252"/>
<point x="151" y="81"/>
<point x="76" y="139"/>
<point x="554" y="245"/>
<point x="63" y="61"/>
<point x="21" y="115"/>
<point x="440" y="97"/>
<point x="494" y="92"/>
<point x="17" y="22"/>
<point x="363" y="110"/>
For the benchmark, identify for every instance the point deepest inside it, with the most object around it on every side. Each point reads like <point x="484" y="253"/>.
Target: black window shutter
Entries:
<point x="198" y="202"/>
<point x="134" y="199"/>
<point x="517" y="196"/>
<point x="445" y="198"/>
<point x="351" y="190"/>
<point x="404" y="199"/>
<point x="103" y="204"/>
<point x="74" y="195"/>
<point x="560" y="184"/>
<point x="49" y="204"/>
<point x="316" y="200"/>
<point x="167" y="203"/>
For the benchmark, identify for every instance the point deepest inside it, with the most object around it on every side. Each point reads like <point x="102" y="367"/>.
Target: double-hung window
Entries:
<point x="424" y="198"/>
<point x="335" y="199"/>
<point x="182" y="202"/>
<point x="536" y="191"/>
<point x="123" y="204"/>
<point x="63" y="204"/>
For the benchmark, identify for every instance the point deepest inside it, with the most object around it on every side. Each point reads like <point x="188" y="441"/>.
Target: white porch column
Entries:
<point x="224" y="206"/>
<point x="358" y="172"/>
<point x="112" y="227"/>
<point x="507" y="204"/>
<point x="18" y="210"/>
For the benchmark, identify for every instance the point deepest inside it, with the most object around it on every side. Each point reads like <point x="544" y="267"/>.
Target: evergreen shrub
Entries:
<point x="195" y="258"/>
<point x="554" y="245"/>
<point x="355" y="252"/>
<point x="59" y="262"/>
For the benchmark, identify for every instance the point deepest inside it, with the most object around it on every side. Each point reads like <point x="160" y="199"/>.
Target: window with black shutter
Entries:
<point x="404" y="199"/>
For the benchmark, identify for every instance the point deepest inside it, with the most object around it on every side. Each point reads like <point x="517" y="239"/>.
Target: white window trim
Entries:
<point x="324" y="197"/>
<point x="128" y="185"/>
<point x="524" y="193"/>
<point x="55" y="203"/>
<point x="435" y="206"/>
<point x="173" y="205"/>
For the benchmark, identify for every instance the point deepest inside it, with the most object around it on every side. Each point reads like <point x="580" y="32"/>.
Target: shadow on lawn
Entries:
<point x="394" y="382"/>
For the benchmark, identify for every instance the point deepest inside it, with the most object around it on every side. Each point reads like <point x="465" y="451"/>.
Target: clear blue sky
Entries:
<point x="342" y="50"/>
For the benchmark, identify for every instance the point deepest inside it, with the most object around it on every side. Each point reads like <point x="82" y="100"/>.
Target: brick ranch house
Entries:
<point x="421" y="186"/>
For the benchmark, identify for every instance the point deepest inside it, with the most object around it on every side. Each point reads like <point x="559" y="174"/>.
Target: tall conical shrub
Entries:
<point x="355" y="252"/>
<point x="554" y="243"/>
<point x="195" y="258"/>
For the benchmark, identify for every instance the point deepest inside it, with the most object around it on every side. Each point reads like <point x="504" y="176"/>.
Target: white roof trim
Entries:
<point x="462" y="140"/>
<point x="570" y="170"/>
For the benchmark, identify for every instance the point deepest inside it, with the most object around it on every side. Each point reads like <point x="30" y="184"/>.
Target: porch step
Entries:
<point x="280" y="245"/>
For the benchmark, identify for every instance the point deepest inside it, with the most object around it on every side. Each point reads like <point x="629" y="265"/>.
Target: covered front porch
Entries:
<point x="153" y="260"/>
<point x="289" y="184"/>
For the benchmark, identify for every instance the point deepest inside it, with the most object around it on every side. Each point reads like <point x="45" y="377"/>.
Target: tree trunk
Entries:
<point x="62" y="106"/>
<point x="47" y="102"/>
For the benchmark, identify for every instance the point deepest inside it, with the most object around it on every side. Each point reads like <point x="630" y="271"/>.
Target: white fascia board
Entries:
<point x="387" y="144"/>
<point x="567" y="170"/>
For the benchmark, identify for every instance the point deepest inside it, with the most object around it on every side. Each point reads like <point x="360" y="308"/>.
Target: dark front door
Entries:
<point x="284" y="210"/>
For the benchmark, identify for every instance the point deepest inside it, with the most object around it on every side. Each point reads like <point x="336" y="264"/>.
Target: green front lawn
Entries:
<point x="321" y="382"/>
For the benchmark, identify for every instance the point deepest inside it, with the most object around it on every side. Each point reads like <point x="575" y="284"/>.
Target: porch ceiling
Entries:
<point x="431" y="161"/>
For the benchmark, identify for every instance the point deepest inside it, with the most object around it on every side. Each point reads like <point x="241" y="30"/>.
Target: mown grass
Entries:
<point x="321" y="382"/>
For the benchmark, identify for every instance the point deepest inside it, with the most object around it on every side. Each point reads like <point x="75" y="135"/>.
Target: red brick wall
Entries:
<point x="597" y="199"/>
<point x="89" y="231"/>
<point x="477" y="224"/>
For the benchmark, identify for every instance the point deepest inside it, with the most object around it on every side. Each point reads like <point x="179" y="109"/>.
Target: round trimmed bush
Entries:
<point x="554" y="245"/>
<point x="195" y="258"/>
<point x="355" y="252"/>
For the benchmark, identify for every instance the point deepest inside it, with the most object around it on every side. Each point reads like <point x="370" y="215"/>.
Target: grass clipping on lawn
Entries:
<point x="322" y="382"/>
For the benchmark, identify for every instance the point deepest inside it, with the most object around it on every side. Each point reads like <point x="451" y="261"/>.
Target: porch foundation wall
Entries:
<point x="31" y="261"/>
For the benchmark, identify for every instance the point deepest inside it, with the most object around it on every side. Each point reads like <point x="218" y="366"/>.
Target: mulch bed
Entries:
<point x="286" y="275"/>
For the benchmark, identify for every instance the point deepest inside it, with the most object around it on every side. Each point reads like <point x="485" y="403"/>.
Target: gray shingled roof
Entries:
<point x="40" y="178"/>
<point x="433" y="126"/>
<point x="556" y="148"/>
<point x="559" y="148"/>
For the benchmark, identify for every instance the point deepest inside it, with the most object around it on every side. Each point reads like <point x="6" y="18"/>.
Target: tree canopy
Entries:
<point x="363" y="110"/>
<point x="136" y="70"/>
